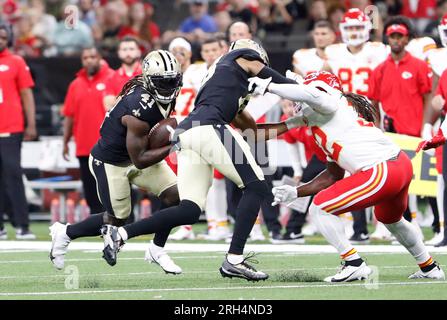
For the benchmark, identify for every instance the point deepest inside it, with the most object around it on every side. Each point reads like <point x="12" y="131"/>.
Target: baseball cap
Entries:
<point x="397" y="28"/>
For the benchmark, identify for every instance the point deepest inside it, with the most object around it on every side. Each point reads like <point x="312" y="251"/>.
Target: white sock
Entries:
<point x="123" y="233"/>
<point x="235" y="258"/>
<point x="155" y="250"/>
<point x="440" y="201"/>
<point x="333" y="230"/>
<point x="408" y="236"/>
<point x="216" y="202"/>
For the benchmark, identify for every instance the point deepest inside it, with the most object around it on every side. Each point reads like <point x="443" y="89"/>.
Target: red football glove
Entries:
<point x="436" y="141"/>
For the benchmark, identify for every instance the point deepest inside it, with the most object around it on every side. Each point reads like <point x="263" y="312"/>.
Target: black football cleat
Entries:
<point x="242" y="270"/>
<point x="112" y="243"/>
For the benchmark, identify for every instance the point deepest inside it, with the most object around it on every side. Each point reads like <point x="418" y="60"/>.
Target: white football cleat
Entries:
<point x="350" y="273"/>
<point x="59" y="244"/>
<point x="436" y="273"/>
<point x="163" y="260"/>
<point x="309" y="230"/>
<point x="437" y="238"/>
<point x="183" y="233"/>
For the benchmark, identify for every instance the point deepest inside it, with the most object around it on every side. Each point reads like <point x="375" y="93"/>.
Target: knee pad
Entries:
<point x="259" y="188"/>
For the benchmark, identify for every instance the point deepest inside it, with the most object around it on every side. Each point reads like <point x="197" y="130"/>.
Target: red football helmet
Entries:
<point x="442" y="28"/>
<point x="325" y="81"/>
<point x="355" y="27"/>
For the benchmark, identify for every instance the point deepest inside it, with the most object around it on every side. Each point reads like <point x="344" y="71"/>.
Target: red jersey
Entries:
<point x="14" y="76"/>
<point x="400" y="87"/>
<point x="84" y="103"/>
<point x="119" y="79"/>
<point x="304" y="135"/>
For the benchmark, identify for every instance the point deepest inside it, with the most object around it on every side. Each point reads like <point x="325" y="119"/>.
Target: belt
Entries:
<point x="5" y="135"/>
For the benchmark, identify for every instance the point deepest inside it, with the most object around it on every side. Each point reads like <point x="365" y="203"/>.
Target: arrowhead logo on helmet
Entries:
<point x="325" y="81"/>
<point x="442" y="29"/>
<point x="162" y="76"/>
<point x="355" y="27"/>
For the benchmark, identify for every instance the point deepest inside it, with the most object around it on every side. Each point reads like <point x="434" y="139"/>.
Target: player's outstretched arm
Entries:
<point x="265" y="131"/>
<point x="137" y="141"/>
<point x="325" y="179"/>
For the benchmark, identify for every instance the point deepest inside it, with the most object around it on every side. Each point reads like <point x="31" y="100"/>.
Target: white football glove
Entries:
<point x="294" y="76"/>
<point x="284" y="193"/>
<point x="258" y="86"/>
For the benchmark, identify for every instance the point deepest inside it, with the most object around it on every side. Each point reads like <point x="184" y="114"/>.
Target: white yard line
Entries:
<point x="159" y="272"/>
<point x="210" y="247"/>
<point x="360" y="284"/>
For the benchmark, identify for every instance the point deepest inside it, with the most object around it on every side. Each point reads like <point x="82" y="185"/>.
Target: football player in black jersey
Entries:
<point x="206" y="140"/>
<point x="120" y="158"/>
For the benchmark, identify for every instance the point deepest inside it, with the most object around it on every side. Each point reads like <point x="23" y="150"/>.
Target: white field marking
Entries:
<point x="122" y="274"/>
<point x="211" y="247"/>
<point x="361" y="284"/>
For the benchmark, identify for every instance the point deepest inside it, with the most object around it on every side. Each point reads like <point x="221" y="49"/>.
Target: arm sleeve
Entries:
<point x="267" y="72"/>
<point x="318" y="100"/>
<point x="440" y="89"/>
<point x="24" y="79"/>
<point x="425" y="79"/>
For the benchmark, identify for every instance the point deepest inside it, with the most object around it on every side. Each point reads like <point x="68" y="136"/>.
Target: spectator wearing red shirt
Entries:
<point x="439" y="103"/>
<point x="17" y="122"/>
<point x="402" y="84"/>
<point x="142" y="26"/>
<point x="316" y="163"/>
<point x="84" y="113"/>
<point x="130" y="55"/>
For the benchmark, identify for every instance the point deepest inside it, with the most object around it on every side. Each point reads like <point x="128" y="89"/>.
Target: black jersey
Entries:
<point x="224" y="92"/>
<point x="111" y="146"/>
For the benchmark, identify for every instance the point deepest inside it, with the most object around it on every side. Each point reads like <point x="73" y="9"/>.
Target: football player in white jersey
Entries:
<point x="343" y="126"/>
<point x="353" y="62"/>
<point x="354" y="59"/>
<point x="306" y="61"/>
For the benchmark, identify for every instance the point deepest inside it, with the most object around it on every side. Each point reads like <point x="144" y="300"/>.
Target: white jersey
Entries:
<point x="354" y="70"/>
<point x="307" y="61"/>
<point x="192" y="79"/>
<point x="437" y="59"/>
<point x="421" y="47"/>
<point x="347" y="139"/>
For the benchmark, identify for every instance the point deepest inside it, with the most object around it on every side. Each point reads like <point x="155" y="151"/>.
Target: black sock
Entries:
<point x="246" y="214"/>
<point x="355" y="263"/>
<point x="161" y="237"/>
<point x="187" y="212"/>
<point x="88" y="228"/>
<point x="429" y="267"/>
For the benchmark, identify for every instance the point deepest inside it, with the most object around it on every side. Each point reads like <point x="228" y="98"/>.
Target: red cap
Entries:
<point x="397" y="28"/>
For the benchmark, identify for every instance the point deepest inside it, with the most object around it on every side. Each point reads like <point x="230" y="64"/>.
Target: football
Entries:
<point x="159" y="135"/>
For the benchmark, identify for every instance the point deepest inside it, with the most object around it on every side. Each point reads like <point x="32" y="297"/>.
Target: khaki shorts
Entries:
<point x="113" y="183"/>
<point x="209" y="147"/>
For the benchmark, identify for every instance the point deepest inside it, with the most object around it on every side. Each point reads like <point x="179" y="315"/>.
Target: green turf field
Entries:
<point x="291" y="277"/>
<point x="30" y="275"/>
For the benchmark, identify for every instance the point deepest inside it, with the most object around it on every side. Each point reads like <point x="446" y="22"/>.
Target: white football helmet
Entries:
<point x="355" y="18"/>
<point x="162" y="75"/>
<point x="442" y="28"/>
<point x="250" y="44"/>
